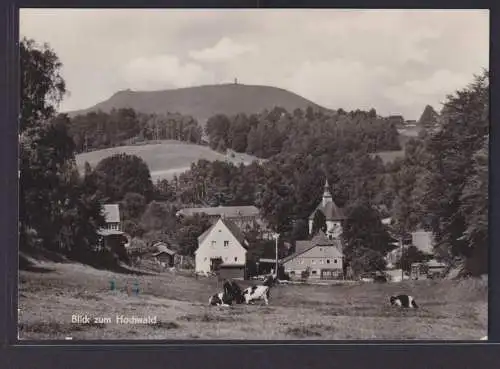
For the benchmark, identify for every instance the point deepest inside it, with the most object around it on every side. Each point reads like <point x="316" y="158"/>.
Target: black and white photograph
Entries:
<point x="253" y="174"/>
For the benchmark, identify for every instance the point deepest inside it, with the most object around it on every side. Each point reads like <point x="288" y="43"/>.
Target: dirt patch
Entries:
<point x="205" y="318"/>
<point x="303" y="332"/>
<point x="166" y="325"/>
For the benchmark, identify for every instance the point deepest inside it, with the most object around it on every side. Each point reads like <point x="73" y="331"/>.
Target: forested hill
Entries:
<point x="203" y="102"/>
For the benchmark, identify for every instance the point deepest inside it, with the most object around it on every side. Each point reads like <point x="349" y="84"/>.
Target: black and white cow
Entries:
<point x="405" y="301"/>
<point x="260" y="292"/>
<point x="231" y="292"/>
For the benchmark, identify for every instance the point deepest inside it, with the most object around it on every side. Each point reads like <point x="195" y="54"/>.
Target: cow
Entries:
<point x="260" y="292"/>
<point x="231" y="292"/>
<point x="405" y="301"/>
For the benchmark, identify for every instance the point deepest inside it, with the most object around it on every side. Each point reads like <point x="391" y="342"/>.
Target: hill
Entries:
<point x="203" y="102"/>
<point x="164" y="158"/>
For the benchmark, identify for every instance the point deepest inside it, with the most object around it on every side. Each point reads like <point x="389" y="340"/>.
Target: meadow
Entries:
<point x="51" y="293"/>
<point x="164" y="158"/>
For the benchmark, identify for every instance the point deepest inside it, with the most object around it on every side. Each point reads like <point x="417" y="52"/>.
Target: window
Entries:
<point x="320" y="249"/>
<point x="205" y="259"/>
<point x="235" y="259"/>
<point x="314" y="272"/>
<point x="226" y="243"/>
<point x="213" y="243"/>
<point x="313" y="261"/>
<point x="335" y="261"/>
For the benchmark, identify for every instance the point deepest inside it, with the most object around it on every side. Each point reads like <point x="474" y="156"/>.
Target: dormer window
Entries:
<point x="226" y="243"/>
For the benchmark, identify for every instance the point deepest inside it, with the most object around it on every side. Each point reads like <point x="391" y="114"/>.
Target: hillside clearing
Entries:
<point x="453" y="310"/>
<point x="165" y="159"/>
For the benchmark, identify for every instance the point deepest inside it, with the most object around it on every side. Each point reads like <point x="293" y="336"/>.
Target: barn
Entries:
<point x="163" y="255"/>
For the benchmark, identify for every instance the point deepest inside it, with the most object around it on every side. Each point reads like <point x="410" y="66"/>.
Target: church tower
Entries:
<point x="327" y="196"/>
<point x="333" y="214"/>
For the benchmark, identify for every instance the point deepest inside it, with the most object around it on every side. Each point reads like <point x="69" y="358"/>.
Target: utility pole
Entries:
<point x="276" y="268"/>
<point x="401" y="257"/>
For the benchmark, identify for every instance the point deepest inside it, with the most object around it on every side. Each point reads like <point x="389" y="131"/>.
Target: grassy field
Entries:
<point x="165" y="158"/>
<point x="52" y="293"/>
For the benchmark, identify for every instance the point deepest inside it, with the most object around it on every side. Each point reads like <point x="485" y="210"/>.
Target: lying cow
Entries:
<point x="260" y="292"/>
<point x="231" y="292"/>
<point x="405" y="301"/>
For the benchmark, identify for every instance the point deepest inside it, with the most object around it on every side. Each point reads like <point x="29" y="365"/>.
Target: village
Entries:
<point x="222" y="248"/>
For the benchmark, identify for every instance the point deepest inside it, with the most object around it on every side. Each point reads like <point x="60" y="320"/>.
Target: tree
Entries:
<point x="451" y="168"/>
<point x="474" y="208"/>
<point x="133" y="205"/>
<point x="319" y="222"/>
<point x="188" y="231"/>
<point x="412" y="255"/>
<point x="429" y="118"/>
<point x="52" y="199"/>
<point x="42" y="86"/>
<point x="119" y="174"/>
<point x="367" y="240"/>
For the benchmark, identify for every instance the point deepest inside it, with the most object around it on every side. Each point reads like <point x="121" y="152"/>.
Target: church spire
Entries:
<point x="327" y="196"/>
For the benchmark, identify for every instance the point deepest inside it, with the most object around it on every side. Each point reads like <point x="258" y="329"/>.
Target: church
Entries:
<point x="322" y="255"/>
<point x="333" y="215"/>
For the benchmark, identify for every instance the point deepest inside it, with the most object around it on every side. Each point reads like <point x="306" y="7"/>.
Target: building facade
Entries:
<point x="321" y="257"/>
<point x="222" y="247"/>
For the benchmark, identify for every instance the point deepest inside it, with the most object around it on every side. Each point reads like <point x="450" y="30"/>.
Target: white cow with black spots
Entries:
<point x="260" y="292"/>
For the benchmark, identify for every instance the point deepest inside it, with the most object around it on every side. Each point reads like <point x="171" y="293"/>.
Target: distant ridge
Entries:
<point x="203" y="102"/>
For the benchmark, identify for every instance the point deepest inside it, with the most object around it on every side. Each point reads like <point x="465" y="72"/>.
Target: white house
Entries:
<point x="112" y="216"/>
<point x="222" y="244"/>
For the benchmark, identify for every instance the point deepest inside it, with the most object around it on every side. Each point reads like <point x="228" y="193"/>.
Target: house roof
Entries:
<point x="227" y="211"/>
<point x="330" y="210"/>
<point x="320" y="239"/>
<point x="109" y="232"/>
<point x="302" y="245"/>
<point x="161" y="248"/>
<point x="111" y="213"/>
<point x="233" y="228"/>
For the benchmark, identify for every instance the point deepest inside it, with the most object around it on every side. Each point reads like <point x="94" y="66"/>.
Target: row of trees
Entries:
<point x="272" y="132"/>
<point x="99" y="130"/>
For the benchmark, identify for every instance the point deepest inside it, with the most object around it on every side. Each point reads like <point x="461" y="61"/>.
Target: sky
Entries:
<point x="396" y="61"/>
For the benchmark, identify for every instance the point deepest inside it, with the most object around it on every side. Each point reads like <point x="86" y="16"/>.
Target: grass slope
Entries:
<point x="164" y="158"/>
<point x="453" y="310"/>
<point x="202" y="102"/>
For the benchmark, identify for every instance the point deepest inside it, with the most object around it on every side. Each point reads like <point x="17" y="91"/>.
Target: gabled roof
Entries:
<point x="320" y="239"/>
<point x="330" y="210"/>
<point x="111" y="213"/>
<point x="227" y="211"/>
<point x="231" y="226"/>
<point x="161" y="248"/>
